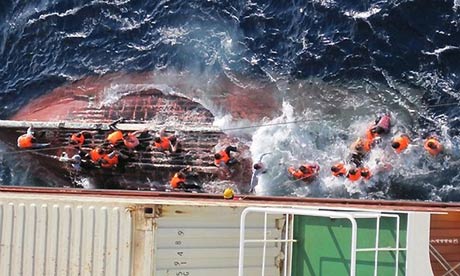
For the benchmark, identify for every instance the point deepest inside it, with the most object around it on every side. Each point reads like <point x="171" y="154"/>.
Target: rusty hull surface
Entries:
<point x="147" y="107"/>
<point x="445" y="220"/>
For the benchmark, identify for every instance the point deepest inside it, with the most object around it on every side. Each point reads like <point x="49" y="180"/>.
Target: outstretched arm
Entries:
<point x="262" y="156"/>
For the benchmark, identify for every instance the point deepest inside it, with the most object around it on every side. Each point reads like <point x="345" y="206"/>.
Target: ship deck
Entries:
<point x="444" y="226"/>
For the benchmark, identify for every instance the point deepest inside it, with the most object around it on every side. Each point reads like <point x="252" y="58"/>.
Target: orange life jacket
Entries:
<point x="339" y="171"/>
<point x="25" y="141"/>
<point x="362" y="145"/>
<point x="298" y="174"/>
<point x="402" y="142"/>
<point x="109" y="161"/>
<point x="355" y="176"/>
<point x="176" y="180"/>
<point x="77" y="138"/>
<point x="131" y="141"/>
<point x="164" y="144"/>
<point x="365" y="173"/>
<point x="223" y="158"/>
<point x="115" y="137"/>
<point x="95" y="155"/>
<point x="437" y="146"/>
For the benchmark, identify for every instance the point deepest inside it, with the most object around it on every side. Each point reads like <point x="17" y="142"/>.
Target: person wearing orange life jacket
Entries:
<point x="28" y="141"/>
<point x="178" y="181"/>
<point x="96" y="154"/>
<point x="77" y="139"/>
<point x="109" y="160"/>
<point x="400" y="143"/>
<point x="365" y="173"/>
<point x="433" y="146"/>
<point x="354" y="174"/>
<point x="115" y="138"/>
<point x="223" y="160"/>
<point x="169" y="143"/>
<point x="338" y="169"/>
<point x="80" y="138"/>
<point x="304" y="172"/>
<point x="162" y="143"/>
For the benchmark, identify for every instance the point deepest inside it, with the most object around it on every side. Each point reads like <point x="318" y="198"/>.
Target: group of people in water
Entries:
<point x="119" y="146"/>
<point x="354" y="168"/>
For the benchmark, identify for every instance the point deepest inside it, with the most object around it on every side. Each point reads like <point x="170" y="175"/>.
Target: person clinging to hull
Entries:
<point x="224" y="160"/>
<point x="179" y="180"/>
<point x="164" y="142"/>
<point x="28" y="141"/>
<point x="80" y="138"/>
<point x="115" y="138"/>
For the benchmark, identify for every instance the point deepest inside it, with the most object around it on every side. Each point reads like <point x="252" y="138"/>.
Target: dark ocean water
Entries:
<point x="335" y="63"/>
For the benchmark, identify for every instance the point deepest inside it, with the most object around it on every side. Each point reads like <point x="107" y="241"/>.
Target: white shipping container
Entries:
<point x="82" y="235"/>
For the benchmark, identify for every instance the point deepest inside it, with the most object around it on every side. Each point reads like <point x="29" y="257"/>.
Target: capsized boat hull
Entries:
<point x="150" y="110"/>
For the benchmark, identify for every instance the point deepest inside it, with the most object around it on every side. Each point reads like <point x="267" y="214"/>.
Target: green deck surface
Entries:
<point x="323" y="246"/>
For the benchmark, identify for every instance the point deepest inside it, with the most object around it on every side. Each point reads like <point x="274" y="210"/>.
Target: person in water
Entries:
<point x="28" y="141"/>
<point x="304" y="172"/>
<point x="257" y="169"/>
<point x="400" y="143"/>
<point x="365" y="173"/>
<point x="338" y="169"/>
<point x="354" y="174"/>
<point x="381" y="125"/>
<point x="363" y="145"/>
<point x="359" y="150"/>
<point x="433" y="146"/>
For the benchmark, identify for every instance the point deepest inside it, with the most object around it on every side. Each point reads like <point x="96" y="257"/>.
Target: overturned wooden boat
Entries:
<point x="55" y="118"/>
